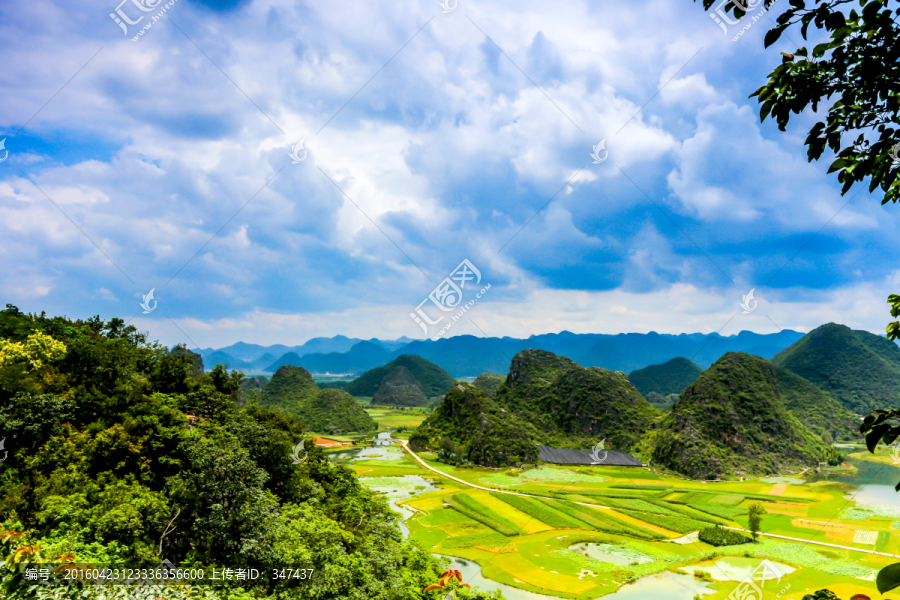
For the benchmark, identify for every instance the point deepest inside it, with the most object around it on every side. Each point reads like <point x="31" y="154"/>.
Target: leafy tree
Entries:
<point x="105" y="465"/>
<point x="755" y="514"/>
<point x="858" y="67"/>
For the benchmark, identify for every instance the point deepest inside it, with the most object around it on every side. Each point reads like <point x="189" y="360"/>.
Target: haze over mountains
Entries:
<point x="469" y="356"/>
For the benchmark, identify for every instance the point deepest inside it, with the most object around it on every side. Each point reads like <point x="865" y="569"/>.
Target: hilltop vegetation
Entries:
<point x="486" y="433"/>
<point x="859" y="369"/>
<point x="732" y="421"/>
<point x="546" y="399"/>
<point x="333" y="411"/>
<point x="289" y="387"/>
<point x="489" y="383"/>
<point x="434" y="380"/>
<point x="105" y="465"/>
<point x="816" y="409"/>
<point x="400" y="388"/>
<point x="671" y="377"/>
<point x="575" y="406"/>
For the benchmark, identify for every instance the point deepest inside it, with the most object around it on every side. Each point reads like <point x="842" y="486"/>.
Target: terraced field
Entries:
<point x="531" y="541"/>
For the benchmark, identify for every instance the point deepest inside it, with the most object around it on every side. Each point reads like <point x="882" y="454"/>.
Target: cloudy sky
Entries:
<point x="430" y="134"/>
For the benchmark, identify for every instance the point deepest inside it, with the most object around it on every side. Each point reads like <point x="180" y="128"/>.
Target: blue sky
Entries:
<point x="169" y="156"/>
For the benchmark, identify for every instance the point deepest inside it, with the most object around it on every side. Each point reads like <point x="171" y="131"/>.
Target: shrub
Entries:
<point x="716" y="536"/>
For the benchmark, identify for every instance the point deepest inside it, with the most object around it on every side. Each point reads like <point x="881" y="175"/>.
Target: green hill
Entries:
<point x="816" y="409"/>
<point x="288" y="387"/>
<point x="732" y="421"/>
<point x="400" y="388"/>
<point x="489" y="383"/>
<point x="575" y="406"/>
<point x="334" y="412"/>
<point x="859" y="369"/>
<point x="670" y="377"/>
<point x="435" y="381"/>
<point x="485" y="433"/>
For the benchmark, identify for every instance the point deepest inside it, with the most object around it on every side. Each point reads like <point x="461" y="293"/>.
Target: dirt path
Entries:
<point x="405" y="446"/>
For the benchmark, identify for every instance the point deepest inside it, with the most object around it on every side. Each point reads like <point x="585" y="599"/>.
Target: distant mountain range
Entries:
<point x="469" y="356"/>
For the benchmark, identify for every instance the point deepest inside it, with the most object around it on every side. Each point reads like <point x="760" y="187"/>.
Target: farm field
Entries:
<point x="392" y="418"/>
<point x="565" y="545"/>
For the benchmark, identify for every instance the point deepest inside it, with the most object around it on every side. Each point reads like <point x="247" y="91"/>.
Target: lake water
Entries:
<point x="736" y="568"/>
<point x="668" y="585"/>
<point x="396" y="489"/>
<point x="876" y="483"/>
<point x="608" y="553"/>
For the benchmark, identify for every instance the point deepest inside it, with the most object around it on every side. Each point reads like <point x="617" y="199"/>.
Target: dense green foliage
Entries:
<point x="400" y="388"/>
<point x="489" y="383"/>
<point x="105" y="464"/>
<point x="434" y="380"/>
<point x="755" y="514"/>
<point x="333" y="385"/>
<point x="671" y="377"/>
<point x="731" y="421"/>
<point x="334" y="412"/>
<point x="288" y="388"/>
<point x="816" y="409"/>
<point x="486" y="434"/>
<point x="573" y="406"/>
<point x="859" y="369"/>
<point x="716" y="536"/>
<point x="474" y="509"/>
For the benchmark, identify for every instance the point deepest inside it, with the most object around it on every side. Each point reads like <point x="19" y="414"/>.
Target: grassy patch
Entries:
<point x="487" y="540"/>
<point x="474" y="509"/>
<point x="542" y="512"/>
<point x="726" y="512"/>
<point x="602" y="521"/>
<point x="679" y="524"/>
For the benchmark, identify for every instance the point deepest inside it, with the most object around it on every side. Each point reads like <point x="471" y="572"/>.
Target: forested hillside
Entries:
<point x="121" y="451"/>
<point x="733" y="421"/>
<point x="859" y="369"/>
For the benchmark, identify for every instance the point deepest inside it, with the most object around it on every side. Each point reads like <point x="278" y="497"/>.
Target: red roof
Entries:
<point x="324" y="442"/>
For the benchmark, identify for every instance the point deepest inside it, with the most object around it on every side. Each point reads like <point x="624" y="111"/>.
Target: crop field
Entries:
<point x="536" y="542"/>
<point x="392" y="418"/>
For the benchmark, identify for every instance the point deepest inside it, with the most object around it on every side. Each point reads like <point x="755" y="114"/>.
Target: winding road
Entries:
<point x="405" y="445"/>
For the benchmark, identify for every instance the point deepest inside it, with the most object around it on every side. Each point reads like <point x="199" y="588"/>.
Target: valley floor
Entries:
<point x="583" y="532"/>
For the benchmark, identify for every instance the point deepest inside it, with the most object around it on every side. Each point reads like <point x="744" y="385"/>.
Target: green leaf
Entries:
<point x="888" y="578"/>
<point x="873" y="436"/>
<point x="891" y="435"/>
<point x="773" y="34"/>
